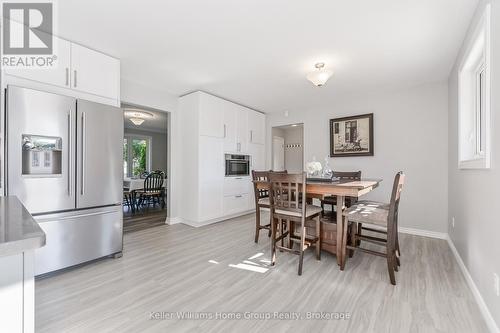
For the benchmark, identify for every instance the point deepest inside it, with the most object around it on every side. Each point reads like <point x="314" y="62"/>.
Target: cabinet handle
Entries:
<point x="238" y="196"/>
<point x="67" y="76"/>
<point x="238" y="178"/>
<point x="251" y="136"/>
<point x="74" y="78"/>
<point x="224" y="130"/>
<point x="238" y="147"/>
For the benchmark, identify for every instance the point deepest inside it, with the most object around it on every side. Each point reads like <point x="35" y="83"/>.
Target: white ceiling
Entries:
<point x="257" y="52"/>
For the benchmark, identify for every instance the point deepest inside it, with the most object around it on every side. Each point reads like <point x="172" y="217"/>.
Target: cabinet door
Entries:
<point x="230" y="129"/>
<point x="211" y="116"/>
<point x="11" y="293"/>
<point x="59" y="75"/>
<point x="257" y="153"/>
<point x="235" y="204"/>
<point x="242" y="129"/>
<point x="256" y="127"/>
<point x="95" y="73"/>
<point x="211" y="178"/>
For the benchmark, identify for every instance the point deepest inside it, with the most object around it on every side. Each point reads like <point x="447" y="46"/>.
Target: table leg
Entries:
<point x="340" y="231"/>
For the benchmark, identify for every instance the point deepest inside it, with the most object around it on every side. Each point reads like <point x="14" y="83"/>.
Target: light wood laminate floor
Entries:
<point x="183" y="269"/>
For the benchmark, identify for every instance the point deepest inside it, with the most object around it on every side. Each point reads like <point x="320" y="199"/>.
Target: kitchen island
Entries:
<point x="20" y="235"/>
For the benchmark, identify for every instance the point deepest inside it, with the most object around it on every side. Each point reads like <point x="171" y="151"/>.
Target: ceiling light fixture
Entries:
<point x="137" y="121"/>
<point x="319" y="76"/>
<point x="137" y="117"/>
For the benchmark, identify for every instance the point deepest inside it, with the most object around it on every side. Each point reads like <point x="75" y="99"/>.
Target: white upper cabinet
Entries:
<point x="256" y="127"/>
<point x="94" y="72"/>
<point x="79" y="72"/>
<point x="58" y="75"/>
<point x="230" y="128"/>
<point x="242" y="128"/>
<point x="211" y="117"/>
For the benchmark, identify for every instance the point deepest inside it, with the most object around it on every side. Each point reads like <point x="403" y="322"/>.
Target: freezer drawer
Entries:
<point x="78" y="236"/>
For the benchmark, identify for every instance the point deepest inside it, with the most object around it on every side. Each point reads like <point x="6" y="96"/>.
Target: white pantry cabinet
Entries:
<point x="256" y="128"/>
<point x="230" y="122"/>
<point x="211" y="177"/>
<point x="213" y="127"/>
<point x="242" y="128"/>
<point x="211" y="116"/>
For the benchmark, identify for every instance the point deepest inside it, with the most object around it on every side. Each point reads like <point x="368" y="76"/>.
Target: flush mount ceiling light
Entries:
<point x="319" y="76"/>
<point x="137" y="116"/>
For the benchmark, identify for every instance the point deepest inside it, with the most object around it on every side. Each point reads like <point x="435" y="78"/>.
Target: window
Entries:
<point x="136" y="155"/>
<point x="474" y="100"/>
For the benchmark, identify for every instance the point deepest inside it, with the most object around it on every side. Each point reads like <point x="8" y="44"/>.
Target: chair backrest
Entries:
<point x="288" y="192"/>
<point x="258" y="177"/>
<point x="397" y="188"/>
<point x="153" y="182"/>
<point x="350" y="175"/>
<point x="161" y="172"/>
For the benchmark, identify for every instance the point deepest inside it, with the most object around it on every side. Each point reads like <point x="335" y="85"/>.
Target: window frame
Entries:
<point x="474" y="97"/>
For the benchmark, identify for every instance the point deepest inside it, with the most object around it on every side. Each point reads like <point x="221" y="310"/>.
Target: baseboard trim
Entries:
<point x="212" y="221"/>
<point x="490" y="322"/>
<point x="423" y="233"/>
<point x="173" y="220"/>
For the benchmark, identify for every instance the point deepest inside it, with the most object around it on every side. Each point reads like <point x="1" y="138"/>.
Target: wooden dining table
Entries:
<point x="341" y="189"/>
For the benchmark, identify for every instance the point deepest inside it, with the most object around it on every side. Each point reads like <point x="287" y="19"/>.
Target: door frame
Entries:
<point x="169" y="146"/>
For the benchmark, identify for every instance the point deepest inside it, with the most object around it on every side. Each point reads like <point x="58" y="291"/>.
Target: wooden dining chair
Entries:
<point x="261" y="199"/>
<point x="152" y="191"/>
<point x="378" y="215"/>
<point x="331" y="199"/>
<point x="288" y="206"/>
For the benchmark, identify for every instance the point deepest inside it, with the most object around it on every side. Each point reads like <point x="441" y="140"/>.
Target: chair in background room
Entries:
<point x="152" y="191"/>
<point x="378" y="215"/>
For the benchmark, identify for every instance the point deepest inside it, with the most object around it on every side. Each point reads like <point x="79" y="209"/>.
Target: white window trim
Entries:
<point x="483" y="160"/>
<point x="149" y="140"/>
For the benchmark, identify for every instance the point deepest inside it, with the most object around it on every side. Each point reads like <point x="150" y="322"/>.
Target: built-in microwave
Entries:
<point x="237" y="165"/>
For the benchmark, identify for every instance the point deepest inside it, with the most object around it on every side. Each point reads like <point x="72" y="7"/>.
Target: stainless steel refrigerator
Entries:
<point x="65" y="163"/>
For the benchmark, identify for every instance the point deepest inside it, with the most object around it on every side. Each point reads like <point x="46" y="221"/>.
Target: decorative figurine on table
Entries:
<point x="327" y="170"/>
<point x="313" y="169"/>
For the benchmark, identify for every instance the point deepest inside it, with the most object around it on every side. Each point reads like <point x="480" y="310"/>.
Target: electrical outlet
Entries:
<point x="453" y="222"/>
<point x="496" y="284"/>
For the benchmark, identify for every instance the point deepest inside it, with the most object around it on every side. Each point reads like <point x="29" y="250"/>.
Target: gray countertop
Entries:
<point x="19" y="232"/>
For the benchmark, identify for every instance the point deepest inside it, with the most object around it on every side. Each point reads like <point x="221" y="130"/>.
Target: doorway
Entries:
<point x="145" y="156"/>
<point x="288" y="148"/>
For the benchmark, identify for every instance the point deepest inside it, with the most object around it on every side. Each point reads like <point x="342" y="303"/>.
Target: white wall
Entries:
<point x="138" y="94"/>
<point x="410" y="128"/>
<point x="474" y="194"/>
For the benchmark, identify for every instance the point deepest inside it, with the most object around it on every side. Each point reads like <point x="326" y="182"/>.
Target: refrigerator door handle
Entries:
<point x="84" y="153"/>
<point x="69" y="153"/>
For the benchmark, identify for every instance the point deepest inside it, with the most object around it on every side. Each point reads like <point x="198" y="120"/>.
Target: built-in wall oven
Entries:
<point x="237" y="165"/>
